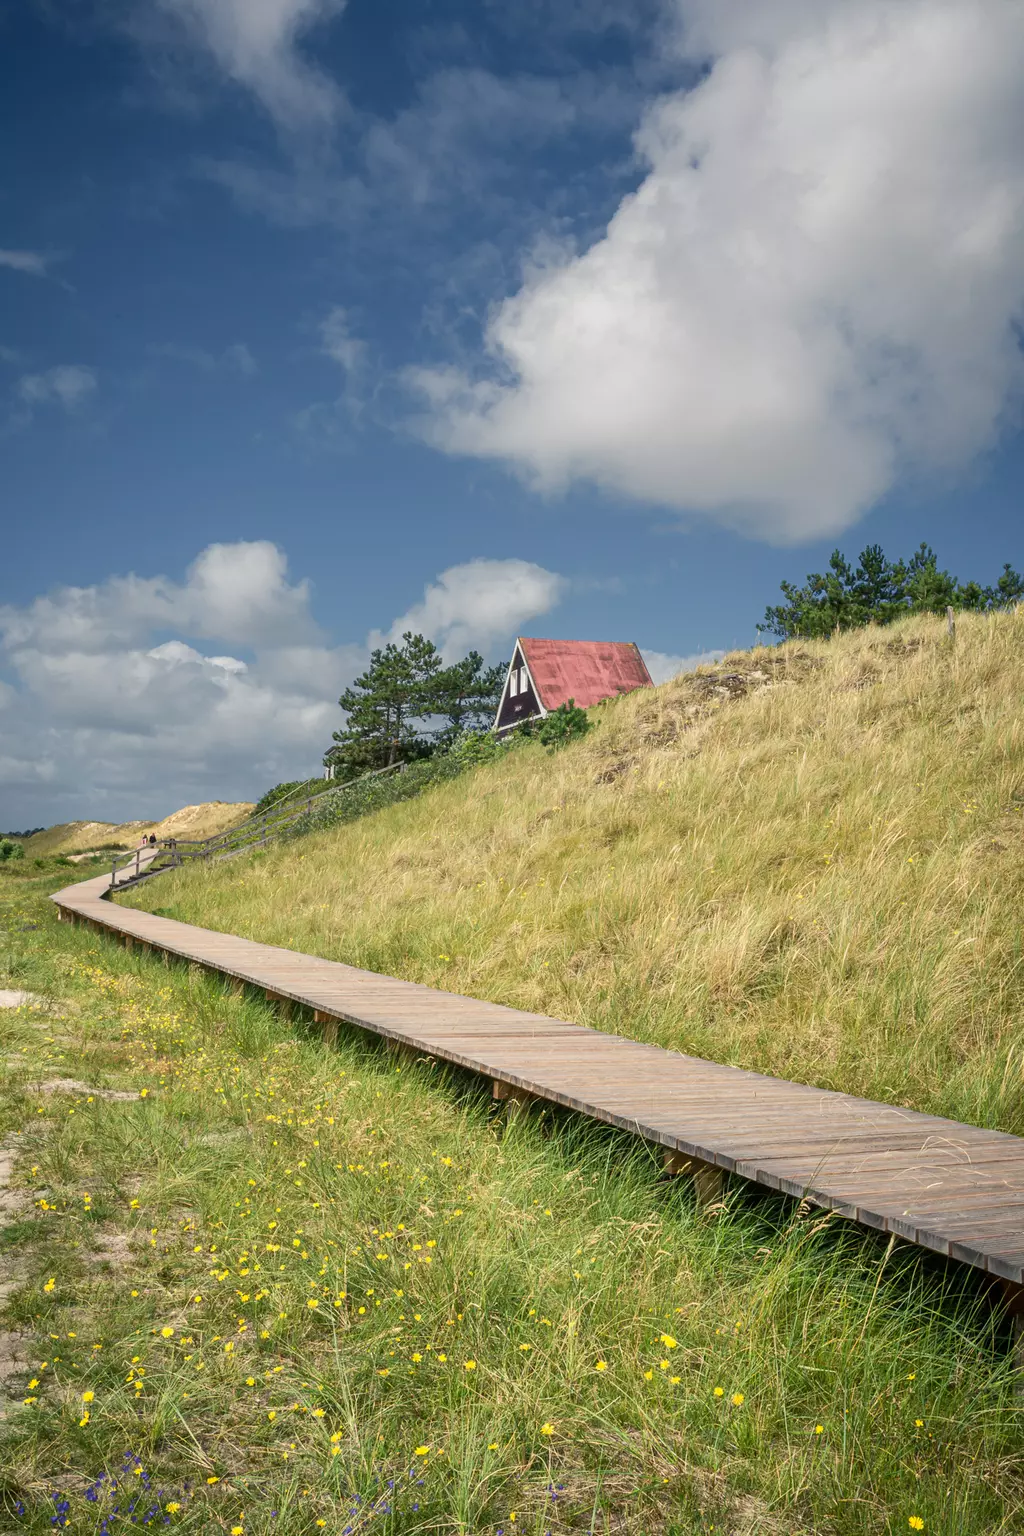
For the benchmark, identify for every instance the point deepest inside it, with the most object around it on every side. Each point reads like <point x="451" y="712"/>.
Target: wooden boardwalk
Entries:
<point x="953" y="1188"/>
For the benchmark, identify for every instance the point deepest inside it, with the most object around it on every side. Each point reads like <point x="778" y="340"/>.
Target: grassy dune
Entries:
<point x="192" y="821"/>
<point x="806" y="860"/>
<point x="271" y="1287"/>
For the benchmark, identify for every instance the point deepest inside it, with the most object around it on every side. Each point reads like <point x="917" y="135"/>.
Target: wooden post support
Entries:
<point x="514" y="1099"/>
<point x="1013" y="1301"/>
<point x="285" y="1003"/>
<point x="128" y="941"/>
<point x="238" y="986"/>
<point x="330" y="1024"/>
<point x="708" y="1180"/>
<point x="398" y="1049"/>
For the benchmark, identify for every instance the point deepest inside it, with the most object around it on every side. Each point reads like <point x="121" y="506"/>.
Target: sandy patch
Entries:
<point x="72" y="1085"/>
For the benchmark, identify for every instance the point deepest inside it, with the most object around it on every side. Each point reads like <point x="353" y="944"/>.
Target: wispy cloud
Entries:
<point x="236" y="358"/>
<point x="31" y="262"/>
<point x="68" y="385"/>
<point x="256" y="44"/>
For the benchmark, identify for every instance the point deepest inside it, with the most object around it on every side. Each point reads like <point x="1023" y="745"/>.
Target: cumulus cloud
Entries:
<point x="127" y="698"/>
<point x="113" y="720"/>
<point x="815" y="290"/>
<point x="255" y="42"/>
<point x="69" y="385"/>
<point x="472" y="606"/>
<point x="30" y="262"/>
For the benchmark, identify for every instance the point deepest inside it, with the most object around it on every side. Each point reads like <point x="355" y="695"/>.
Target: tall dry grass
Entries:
<point x="806" y="860"/>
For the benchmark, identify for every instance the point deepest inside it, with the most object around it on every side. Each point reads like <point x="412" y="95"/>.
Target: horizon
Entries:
<point x="324" y="320"/>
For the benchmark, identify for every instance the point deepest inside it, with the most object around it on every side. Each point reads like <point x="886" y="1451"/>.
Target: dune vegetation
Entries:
<point x="805" y="860"/>
<point x="253" y="1284"/>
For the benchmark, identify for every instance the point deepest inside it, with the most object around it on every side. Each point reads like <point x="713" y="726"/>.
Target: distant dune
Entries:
<point x="192" y="821"/>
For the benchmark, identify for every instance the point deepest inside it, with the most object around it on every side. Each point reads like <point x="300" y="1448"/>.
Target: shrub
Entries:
<point x="563" y="725"/>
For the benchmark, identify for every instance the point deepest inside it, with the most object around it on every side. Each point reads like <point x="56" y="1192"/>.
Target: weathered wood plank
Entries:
<point x="953" y="1188"/>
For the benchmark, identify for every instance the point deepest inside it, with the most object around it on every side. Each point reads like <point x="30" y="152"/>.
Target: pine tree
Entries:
<point x="878" y="592"/>
<point x="384" y="706"/>
<point x="467" y="695"/>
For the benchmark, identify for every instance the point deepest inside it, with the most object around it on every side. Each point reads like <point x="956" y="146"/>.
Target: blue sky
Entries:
<point x="616" y="313"/>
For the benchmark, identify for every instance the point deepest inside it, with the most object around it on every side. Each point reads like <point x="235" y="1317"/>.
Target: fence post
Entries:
<point x="113" y="871"/>
<point x="950" y="623"/>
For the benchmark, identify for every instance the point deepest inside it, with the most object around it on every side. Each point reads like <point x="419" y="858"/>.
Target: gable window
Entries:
<point x="513" y="686"/>
<point x="522" y="679"/>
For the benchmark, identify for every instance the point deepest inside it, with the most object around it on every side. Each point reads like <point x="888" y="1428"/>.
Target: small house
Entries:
<point x="546" y="673"/>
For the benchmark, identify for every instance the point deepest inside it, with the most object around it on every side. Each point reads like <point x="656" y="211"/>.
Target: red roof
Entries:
<point x="584" y="670"/>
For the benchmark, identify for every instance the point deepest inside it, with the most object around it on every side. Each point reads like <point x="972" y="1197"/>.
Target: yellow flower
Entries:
<point x="83" y="1421"/>
<point x="88" y="1397"/>
<point x="668" y="1341"/>
<point x="470" y="1365"/>
<point x="602" y="1365"/>
<point x="143" y="1092"/>
<point x="915" y="1522"/>
<point x="648" y="1375"/>
<point x="737" y="1399"/>
<point x="919" y="1423"/>
<point x="236" y="1530"/>
<point x="719" y="1391"/>
<point x="167" y="1333"/>
<point x="819" y="1429"/>
<point x="547" y="1429"/>
<point x="213" y="1480"/>
<point x="50" y="1284"/>
<point x="422" y="1450"/>
<point x="312" y="1302"/>
<point x="173" y="1507"/>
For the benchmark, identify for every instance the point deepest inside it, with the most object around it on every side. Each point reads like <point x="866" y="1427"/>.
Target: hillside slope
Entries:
<point x="192" y="821"/>
<point x="806" y="860"/>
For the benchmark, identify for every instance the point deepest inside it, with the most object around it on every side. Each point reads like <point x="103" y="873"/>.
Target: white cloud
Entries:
<point x="68" y="385"/>
<point x="474" y="605"/>
<point x="30" y="262"/>
<point x="664" y="668"/>
<point x="813" y="292"/>
<point x="255" y="43"/>
<point x="122" y="704"/>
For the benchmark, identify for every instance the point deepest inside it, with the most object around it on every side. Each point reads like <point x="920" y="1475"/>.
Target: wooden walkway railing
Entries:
<point x="254" y="832"/>
<point x="952" y="1188"/>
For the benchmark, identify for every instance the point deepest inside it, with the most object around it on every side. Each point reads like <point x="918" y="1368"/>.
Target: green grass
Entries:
<point x="821" y="878"/>
<point x="171" y="1243"/>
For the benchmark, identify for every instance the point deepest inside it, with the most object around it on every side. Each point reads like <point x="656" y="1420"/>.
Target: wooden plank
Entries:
<point x="954" y="1188"/>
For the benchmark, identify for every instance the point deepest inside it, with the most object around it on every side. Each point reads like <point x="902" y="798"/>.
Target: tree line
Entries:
<point x="878" y="591"/>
